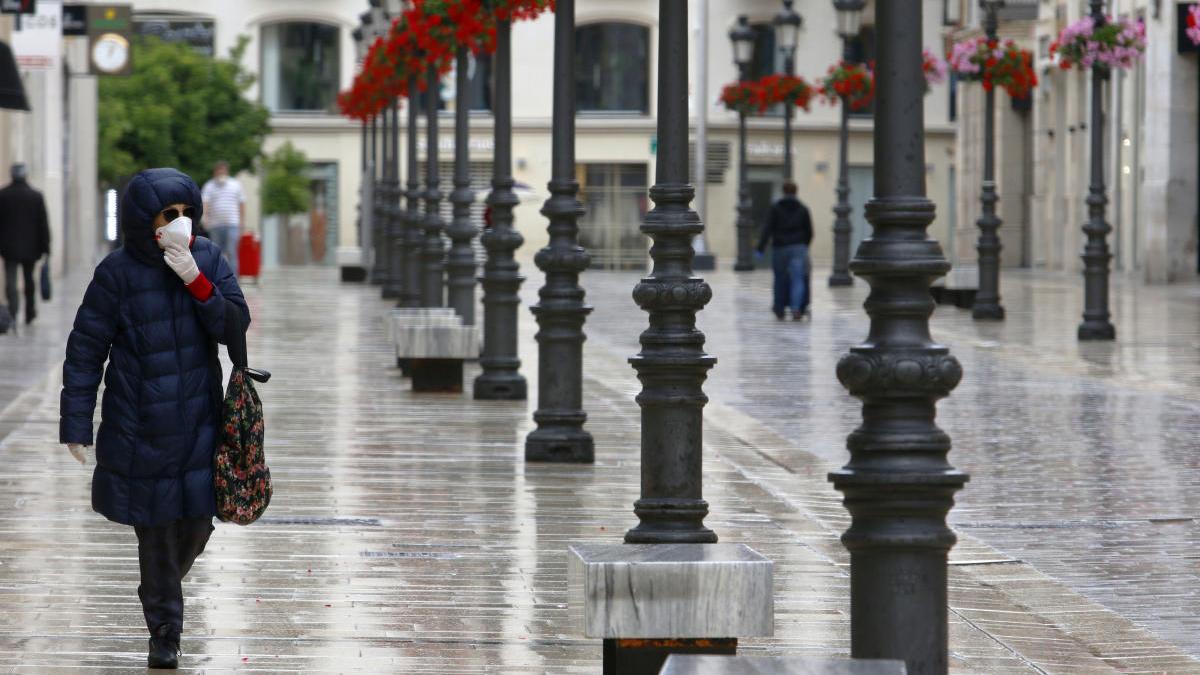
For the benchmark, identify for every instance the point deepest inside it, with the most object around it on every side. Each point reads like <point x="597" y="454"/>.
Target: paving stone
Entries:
<point x="408" y="536"/>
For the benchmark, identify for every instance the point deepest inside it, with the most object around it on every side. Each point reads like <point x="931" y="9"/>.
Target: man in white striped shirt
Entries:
<point x="224" y="211"/>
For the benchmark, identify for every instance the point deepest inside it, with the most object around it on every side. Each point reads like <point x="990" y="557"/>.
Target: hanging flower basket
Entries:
<point x="1118" y="43"/>
<point x="740" y="97"/>
<point x="519" y="10"/>
<point x="1193" y="24"/>
<point x="934" y="67"/>
<point x="995" y="65"/>
<point x="785" y="89"/>
<point x="853" y="83"/>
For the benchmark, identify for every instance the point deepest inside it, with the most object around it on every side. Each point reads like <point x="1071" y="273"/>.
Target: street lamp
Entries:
<point x="787" y="34"/>
<point x="899" y="485"/>
<point x="364" y="221"/>
<point x="849" y="19"/>
<point x="1096" y="256"/>
<point x="742" y="37"/>
<point x="987" y="297"/>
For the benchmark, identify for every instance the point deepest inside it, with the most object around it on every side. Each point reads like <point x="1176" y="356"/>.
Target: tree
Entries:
<point x="179" y="108"/>
<point x="285" y="184"/>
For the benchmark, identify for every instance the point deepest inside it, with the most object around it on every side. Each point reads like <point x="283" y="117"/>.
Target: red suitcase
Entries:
<point x="249" y="256"/>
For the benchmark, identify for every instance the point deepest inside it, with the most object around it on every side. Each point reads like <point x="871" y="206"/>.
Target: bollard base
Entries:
<point x="647" y="656"/>
<point x="502" y="387"/>
<point x="405" y="366"/>
<point x="987" y="311"/>
<point x="1097" y="330"/>
<point x="566" y="446"/>
<point x="840" y="280"/>
<point x="437" y="375"/>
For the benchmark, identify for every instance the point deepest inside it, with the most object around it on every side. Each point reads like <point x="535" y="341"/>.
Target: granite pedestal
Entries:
<point x="647" y="601"/>
<point x="957" y="288"/>
<point x="679" y="664"/>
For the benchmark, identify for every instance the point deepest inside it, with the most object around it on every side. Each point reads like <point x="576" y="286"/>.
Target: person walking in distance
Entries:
<point x="789" y="230"/>
<point x="225" y="211"/>
<point x="24" y="238"/>
<point x="154" y="311"/>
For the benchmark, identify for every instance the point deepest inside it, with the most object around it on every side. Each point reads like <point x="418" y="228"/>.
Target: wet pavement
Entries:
<point x="408" y="536"/>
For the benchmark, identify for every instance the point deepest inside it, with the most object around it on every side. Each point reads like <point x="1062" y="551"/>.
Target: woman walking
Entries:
<point x="154" y="310"/>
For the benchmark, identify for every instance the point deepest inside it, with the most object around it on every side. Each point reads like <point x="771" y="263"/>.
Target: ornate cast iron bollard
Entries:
<point x="460" y="264"/>
<point x="987" y="298"/>
<point x="394" y="281"/>
<point x="413" y="237"/>
<point x="672" y="365"/>
<point x="1096" y="256"/>
<point x="433" y="292"/>
<point x="899" y="485"/>
<point x="561" y="310"/>
<point x="501" y="379"/>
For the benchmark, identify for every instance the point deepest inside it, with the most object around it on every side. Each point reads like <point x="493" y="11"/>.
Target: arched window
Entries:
<point x="612" y="68"/>
<point x="300" y="67"/>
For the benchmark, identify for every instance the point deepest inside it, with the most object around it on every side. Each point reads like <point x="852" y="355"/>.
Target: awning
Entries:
<point x="12" y="91"/>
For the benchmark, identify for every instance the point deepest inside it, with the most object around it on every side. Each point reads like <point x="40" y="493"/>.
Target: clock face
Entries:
<point x="110" y="53"/>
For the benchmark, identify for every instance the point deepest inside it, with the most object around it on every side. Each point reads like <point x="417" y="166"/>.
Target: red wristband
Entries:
<point x="201" y="288"/>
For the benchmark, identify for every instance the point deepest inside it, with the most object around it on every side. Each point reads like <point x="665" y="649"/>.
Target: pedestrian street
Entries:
<point x="408" y="535"/>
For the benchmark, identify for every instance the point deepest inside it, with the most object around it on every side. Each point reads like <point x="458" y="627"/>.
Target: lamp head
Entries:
<point x="787" y="27"/>
<point x="742" y="37"/>
<point x="849" y="17"/>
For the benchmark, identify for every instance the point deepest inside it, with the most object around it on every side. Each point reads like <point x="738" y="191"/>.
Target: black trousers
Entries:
<point x="10" y="286"/>
<point x="165" y="555"/>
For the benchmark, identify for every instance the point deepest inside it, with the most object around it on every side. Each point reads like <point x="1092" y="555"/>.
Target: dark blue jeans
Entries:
<point x="791" y="278"/>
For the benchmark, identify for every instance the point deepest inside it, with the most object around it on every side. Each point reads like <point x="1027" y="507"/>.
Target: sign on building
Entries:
<point x="197" y="33"/>
<point x="18" y="6"/>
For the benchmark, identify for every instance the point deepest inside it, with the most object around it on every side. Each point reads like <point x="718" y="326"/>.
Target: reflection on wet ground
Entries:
<point x="408" y="536"/>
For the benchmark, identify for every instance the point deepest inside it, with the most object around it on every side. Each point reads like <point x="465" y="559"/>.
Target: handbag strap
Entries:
<point x="235" y="342"/>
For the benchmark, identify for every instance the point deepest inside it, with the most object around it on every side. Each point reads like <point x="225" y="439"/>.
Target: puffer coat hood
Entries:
<point x="155" y="347"/>
<point x="145" y="197"/>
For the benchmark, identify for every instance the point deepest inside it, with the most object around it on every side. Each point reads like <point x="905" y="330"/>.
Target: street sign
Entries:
<point x="74" y="20"/>
<point x="18" y="6"/>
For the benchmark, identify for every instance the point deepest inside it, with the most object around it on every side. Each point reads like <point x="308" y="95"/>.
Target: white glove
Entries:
<point x="79" y="452"/>
<point x="180" y="260"/>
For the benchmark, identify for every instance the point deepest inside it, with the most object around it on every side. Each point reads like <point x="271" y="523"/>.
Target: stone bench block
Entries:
<point x="434" y="341"/>
<point x="691" y="664"/>
<point x="622" y="591"/>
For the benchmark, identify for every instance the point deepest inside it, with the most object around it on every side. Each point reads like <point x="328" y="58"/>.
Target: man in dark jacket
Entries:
<point x="789" y="228"/>
<point x="24" y="238"/>
<point x="154" y="310"/>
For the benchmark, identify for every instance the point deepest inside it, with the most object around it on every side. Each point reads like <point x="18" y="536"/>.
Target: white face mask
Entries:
<point x="178" y="231"/>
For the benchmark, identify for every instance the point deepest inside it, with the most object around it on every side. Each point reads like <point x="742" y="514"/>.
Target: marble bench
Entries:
<point x="434" y="351"/>
<point x="694" y="664"/>
<point x="957" y="288"/>
<point x="647" y="601"/>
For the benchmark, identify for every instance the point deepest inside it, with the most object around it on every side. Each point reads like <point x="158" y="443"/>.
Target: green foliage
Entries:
<point x="179" y="108"/>
<point x="286" y="183"/>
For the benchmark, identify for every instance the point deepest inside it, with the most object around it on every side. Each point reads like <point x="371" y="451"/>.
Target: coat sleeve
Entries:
<point x="43" y="227"/>
<point x="225" y="291"/>
<point x="87" y="350"/>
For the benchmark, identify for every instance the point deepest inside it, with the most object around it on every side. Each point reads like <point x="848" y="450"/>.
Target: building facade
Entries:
<point x="1043" y="149"/>
<point x="303" y="53"/>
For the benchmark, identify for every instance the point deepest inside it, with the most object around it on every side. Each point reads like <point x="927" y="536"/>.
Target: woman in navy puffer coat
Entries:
<point x="155" y="315"/>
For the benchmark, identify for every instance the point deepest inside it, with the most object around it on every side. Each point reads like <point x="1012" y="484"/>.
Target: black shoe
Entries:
<point x="164" y="648"/>
<point x="779" y="314"/>
<point x="29" y="317"/>
<point x="799" y="316"/>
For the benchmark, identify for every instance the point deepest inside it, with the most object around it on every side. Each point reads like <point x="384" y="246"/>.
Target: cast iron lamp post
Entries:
<point x="1096" y="256"/>
<point x="787" y="35"/>
<point x="460" y="265"/>
<point x="360" y="50"/>
<point x="898" y="485"/>
<point x="742" y="37"/>
<point x="561" y="310"/>
<point x="413" y="237"/>
<point x="849" y="18"/>
<point x="501" y="379"/>
<point x="987" y="297"/>
<point x="672" y="365"/>
<point x="433" y="292"/>
<point x="377" y="25"/>
<point x="394" y="232"/>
